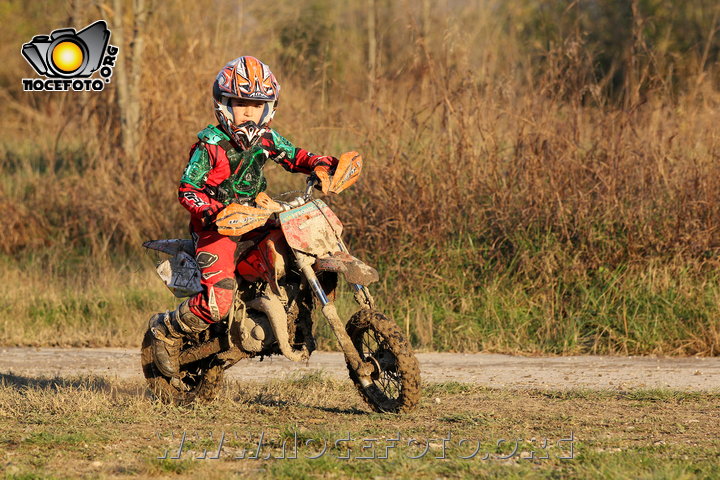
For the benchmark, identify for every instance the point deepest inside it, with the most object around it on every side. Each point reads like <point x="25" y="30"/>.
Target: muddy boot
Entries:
<point x="169" y="329"/>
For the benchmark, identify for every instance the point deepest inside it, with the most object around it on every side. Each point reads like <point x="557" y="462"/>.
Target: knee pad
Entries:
<point x="220" y="300"/>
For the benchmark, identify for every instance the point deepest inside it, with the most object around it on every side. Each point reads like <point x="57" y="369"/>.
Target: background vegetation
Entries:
<point x="540" y="176"/>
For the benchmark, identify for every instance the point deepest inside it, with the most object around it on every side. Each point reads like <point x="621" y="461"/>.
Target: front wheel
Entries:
<point x="395" y="382"/>
<point x="199" y="380"/>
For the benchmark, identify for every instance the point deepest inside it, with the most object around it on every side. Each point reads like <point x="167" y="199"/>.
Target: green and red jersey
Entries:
<point x="219" y="172"/>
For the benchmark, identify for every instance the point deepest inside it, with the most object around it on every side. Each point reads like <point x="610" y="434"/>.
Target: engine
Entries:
<point x="252" y="331"/>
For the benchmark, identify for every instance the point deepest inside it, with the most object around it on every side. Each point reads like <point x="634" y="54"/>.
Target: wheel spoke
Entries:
<point x="393" y="380"/>
<point x="386" y="387"/>
<point x="370" y="350"/>
<point x="372" y="344"/>
<point x="390" y="390"/>
<point x="394" y="376"/>
<point x="389" y="386"/>
<point x="383" y="383"/>
<point x="396" y="386"/>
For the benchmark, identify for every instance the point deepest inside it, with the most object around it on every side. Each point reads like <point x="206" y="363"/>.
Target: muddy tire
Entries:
<point x="395" y="386"/>
<point x="201" y="380"/>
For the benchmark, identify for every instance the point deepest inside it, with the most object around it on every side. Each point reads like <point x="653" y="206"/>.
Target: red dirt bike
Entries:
<point x="289" y="266"/>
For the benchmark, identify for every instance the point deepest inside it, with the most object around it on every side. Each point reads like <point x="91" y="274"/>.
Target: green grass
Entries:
<point x="656" y="309"/>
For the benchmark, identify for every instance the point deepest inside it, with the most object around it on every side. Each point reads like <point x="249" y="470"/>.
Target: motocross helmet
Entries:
<point x="247" y="78"/>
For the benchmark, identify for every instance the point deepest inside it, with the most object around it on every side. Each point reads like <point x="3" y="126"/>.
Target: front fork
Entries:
<point x="352" y="357"/>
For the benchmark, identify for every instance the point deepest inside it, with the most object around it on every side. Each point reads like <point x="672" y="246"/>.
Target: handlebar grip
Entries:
<point x="312" y="181"/>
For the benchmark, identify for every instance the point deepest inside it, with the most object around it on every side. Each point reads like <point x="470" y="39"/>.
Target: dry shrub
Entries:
<point x="495" y="151"/>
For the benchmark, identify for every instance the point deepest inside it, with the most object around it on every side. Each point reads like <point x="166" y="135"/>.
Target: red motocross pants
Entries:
<point x="215" y="255"/>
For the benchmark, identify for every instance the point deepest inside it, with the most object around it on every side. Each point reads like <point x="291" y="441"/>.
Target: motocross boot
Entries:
<point x="168" y="330"/>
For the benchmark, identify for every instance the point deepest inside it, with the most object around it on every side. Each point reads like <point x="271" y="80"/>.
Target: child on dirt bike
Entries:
<point x="226" y="166"/>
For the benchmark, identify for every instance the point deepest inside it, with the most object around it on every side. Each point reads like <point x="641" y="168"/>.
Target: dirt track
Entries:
<point x="490" y="370"/>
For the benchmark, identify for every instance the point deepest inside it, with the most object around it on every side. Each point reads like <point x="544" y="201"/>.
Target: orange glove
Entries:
<point x="323" y="174"/>
<point x="262" y="200"/>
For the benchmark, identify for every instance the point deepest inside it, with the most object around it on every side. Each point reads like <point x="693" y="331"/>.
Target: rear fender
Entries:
<point x="180" y="272"/>
<point x="171" y="246"/>
<point x="355" y="270"/>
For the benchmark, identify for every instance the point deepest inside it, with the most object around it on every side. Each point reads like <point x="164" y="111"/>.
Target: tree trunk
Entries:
<point x="128" y="75"/>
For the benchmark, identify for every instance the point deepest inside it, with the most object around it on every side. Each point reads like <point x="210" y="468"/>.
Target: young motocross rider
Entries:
<point x="226" y="165"/>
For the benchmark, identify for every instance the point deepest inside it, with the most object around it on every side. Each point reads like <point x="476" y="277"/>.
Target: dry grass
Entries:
<point x="100" y="428"/>
<point x="529" y="185"/>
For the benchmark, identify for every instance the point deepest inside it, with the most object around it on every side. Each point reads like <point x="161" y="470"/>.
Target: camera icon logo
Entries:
<point x="66" y="56"/>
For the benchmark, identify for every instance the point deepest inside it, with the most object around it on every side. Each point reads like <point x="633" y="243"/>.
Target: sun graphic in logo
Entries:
<point x="67" y="56"/>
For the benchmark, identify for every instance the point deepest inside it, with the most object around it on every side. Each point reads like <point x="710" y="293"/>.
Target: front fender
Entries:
<point x="355" y="270"/>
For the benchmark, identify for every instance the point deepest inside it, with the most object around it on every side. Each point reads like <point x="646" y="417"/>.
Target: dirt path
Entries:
<point x="490" y="370"/>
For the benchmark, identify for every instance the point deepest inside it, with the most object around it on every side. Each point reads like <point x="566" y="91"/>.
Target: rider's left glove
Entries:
<point x="208" y="217"/>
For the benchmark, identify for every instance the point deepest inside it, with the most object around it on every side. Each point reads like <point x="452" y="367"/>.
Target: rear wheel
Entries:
<point x="395" y="383"/>
<point x="199" y="380"/>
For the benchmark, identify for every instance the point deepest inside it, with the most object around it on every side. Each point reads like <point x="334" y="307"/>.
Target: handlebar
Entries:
<point x="312" y="180"/>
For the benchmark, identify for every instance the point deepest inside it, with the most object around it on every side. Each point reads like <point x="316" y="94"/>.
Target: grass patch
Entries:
<point x="449" y="388"/>
<point x="45" y="439"/>
<point x="662" y="310"/>
<point x="321" y="428"/>
<point x="161" y="466"/>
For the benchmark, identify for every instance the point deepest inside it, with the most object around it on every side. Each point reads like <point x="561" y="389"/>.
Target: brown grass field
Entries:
<point x="100" y="428"/>
<point x="540" y="178"/>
